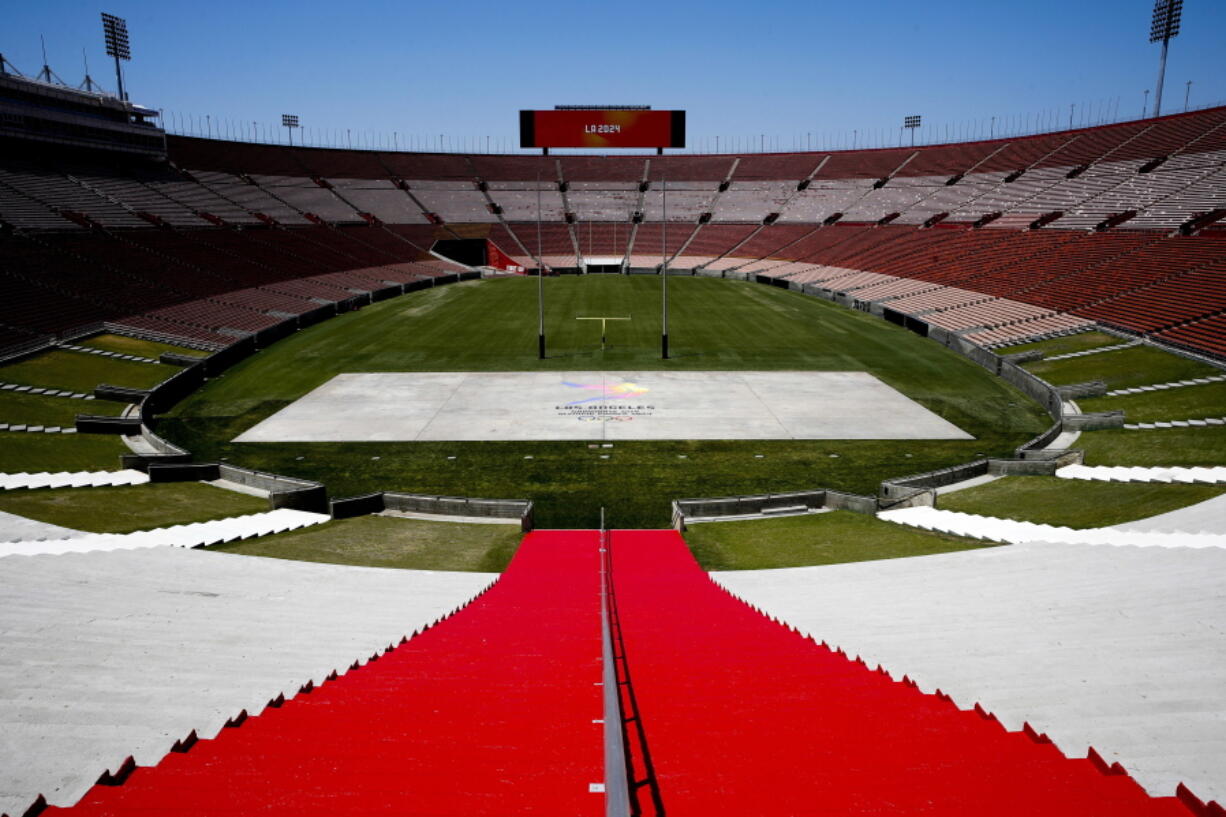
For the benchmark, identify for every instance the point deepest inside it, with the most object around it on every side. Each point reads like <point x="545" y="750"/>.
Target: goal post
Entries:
<point x="604" y="322"/>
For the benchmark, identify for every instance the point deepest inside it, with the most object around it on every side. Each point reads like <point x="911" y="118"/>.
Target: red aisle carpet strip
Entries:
<point x="741" y="715"/>
<point x="489" y="713"/>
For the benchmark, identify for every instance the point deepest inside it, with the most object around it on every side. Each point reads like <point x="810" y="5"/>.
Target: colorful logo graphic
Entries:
<point x="607" y="391"/>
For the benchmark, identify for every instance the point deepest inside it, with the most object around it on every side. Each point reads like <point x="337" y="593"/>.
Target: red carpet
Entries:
<point x="489" y="713"/>
<point x="496" y="712"/>
<point x="741" y="715"/>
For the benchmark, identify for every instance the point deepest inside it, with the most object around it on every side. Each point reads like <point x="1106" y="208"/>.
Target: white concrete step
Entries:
<point x="1174" y="384"/>
<point x="196" y="534"/>
<point x="1099" y="350"/>
<point x="1111" y="647"/>
<point x="1199" y="422"/>
<point x="71" y="479"/>
<point x="1012" y="531"/>
<point x="1174" y="473"/>
<point x="105" y="655"/>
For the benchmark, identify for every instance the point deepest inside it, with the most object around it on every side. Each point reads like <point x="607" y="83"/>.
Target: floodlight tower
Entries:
<point x="290" y="121"/>
<point x="115" y="33"/>
<point x="913" y="122"/>
<point x="1164" y="26"/>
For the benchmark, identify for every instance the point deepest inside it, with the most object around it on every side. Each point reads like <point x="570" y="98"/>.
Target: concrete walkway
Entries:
<point x="1204" y="517"/>
<point x="106" y="655"/>
<point x="14" y="528"/>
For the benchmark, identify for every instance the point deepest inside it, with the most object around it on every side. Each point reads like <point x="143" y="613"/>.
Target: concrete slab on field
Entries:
<point x="464" y="406"/>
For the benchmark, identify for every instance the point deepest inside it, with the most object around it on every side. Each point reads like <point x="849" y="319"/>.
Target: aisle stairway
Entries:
<point x="497" y="711"/>
<point x="745" y="716"/>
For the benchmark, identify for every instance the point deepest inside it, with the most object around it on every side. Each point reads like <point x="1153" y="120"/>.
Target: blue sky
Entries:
<point x="797" y="73"/>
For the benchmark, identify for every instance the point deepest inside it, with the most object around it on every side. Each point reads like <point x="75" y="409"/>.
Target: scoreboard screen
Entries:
<point x="602" y="128"/>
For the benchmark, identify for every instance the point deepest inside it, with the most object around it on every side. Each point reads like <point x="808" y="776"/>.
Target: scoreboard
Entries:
<point x="596" y="127"/>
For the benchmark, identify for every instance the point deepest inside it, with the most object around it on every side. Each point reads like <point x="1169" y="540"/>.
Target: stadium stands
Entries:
<point x="789" y="724"/>
<point x="167" y="643"/>
<point x="516" y="672"/>
<point x="1068" y="667"/>
<point x="1084" y="223"/>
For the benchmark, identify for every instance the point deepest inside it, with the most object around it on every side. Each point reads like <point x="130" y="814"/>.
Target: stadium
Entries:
<point x="606" y="474"/>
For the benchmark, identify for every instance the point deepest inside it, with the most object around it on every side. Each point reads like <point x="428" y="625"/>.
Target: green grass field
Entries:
<point x="381" y="541"/>
<point x="1136" y="366"/>
<point x="21" y="451"/>
<point x="127" y="508"/>
<point x="1074" y="503"/>
<point x="82" y="372"/>
<point x="1185" y="403"/>
<point x="714" y="324"/>
<point x="34" y="409"/>
<point x="136" y="346"/>
<point x="817" y="539"/>
<point x="1066" y="344"/>
<point x="1162" y="446"/>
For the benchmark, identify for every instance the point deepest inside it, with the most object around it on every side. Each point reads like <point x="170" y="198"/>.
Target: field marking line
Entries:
<point x="787" y="434"/>
<point x="442" y="405"/>
<point x="604" y="402"/>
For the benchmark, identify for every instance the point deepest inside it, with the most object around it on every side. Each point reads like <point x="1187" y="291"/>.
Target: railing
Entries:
<point x="768" y="504"/>
<point x="616" y="779"/>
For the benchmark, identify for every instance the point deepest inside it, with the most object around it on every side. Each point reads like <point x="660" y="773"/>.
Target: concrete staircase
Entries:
<point x="1124" y="473"/>
<point x="71" y="479"/>
<point x="1116" y="648"/>
<point x="193" y="535"/>
<point x="1173" y="384"/>
<point x="1012" y="531"/>
<point x="1198" y="423"/>
<point x="106" y="656"/>
<point x="1114" y="348"/>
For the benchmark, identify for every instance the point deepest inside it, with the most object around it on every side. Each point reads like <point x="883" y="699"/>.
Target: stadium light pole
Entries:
<point x="911" y="123"/>
<point x="540" y="275"/>
<point x="290" y="121"/>
<point x="115" y="35"/>
<point x="1187" y="93"/>
<point x="664" y="271"/>
<point x="1164" y="26"/>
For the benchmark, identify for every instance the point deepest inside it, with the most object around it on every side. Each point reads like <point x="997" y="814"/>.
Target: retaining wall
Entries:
<point x="1095" y="421"/>
<point x="1090" y="388"/>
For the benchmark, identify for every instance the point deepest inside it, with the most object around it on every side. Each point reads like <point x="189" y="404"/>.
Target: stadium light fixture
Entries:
<point x="1165" y="25"/>
<point x="911" y="123"/>
<point x="115" y="35"/>
<point x="289" y="121"/>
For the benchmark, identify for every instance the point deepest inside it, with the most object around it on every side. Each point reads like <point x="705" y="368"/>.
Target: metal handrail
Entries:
<point x="616" y="781"/>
